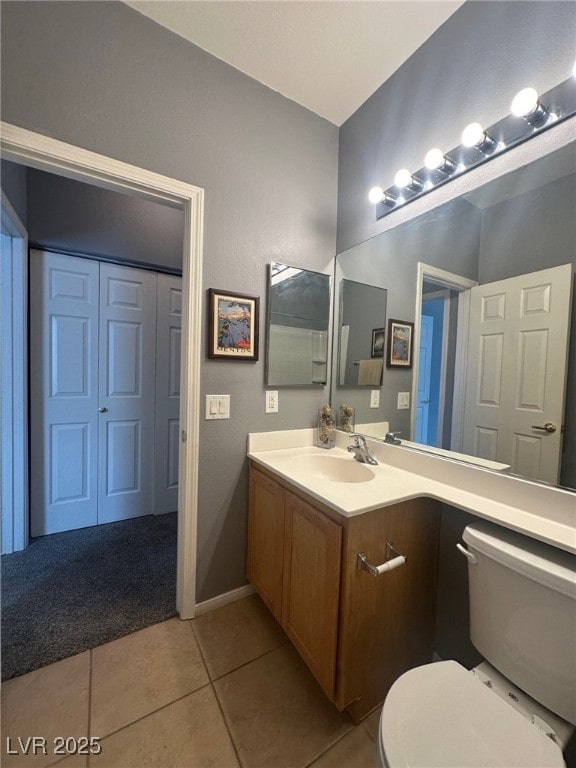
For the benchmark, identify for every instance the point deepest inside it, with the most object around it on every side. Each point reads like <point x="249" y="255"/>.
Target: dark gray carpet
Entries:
<point x="72" y="591"/>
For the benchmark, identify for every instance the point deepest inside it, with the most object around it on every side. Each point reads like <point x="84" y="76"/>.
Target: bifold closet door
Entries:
<point x="64" y="309"/>
<point x="127" y="392"/>
<point x="92" y="370"/>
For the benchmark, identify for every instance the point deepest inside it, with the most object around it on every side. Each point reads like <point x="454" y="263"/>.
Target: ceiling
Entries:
<point x="327" y="55"/>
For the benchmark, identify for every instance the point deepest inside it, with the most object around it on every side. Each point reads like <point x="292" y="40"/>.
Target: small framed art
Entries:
<point x="232" y="325"/>
<point x="378" y="336"/>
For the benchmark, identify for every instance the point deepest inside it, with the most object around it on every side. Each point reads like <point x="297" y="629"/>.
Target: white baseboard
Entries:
<point x="227" y="597"/>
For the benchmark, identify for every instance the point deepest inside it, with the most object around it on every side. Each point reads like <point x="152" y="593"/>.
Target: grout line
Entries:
<point x="89" y="727"/>
<point x="154" y="711"/>
<point x="328" y="748"/>
<point x="224" y="719"/>
<point x="247" y="663"/>
<point x="173" y="701"/>
<point x="244" y="664"/>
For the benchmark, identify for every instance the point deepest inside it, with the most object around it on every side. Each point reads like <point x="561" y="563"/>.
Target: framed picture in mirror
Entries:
<point x="378" y="338"/>
<point x="399" y="348"/>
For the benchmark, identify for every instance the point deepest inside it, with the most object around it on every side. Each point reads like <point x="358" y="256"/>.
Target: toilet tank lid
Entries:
<point x="540" y="562"/>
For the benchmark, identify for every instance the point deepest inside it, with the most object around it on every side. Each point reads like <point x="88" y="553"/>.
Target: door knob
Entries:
<point x="103" y="409"/>
<point x="426" y="400"/>
<point x="548" y="427"/>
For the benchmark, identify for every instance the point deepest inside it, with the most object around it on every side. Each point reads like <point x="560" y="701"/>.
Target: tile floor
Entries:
<point x="225" y="690"/>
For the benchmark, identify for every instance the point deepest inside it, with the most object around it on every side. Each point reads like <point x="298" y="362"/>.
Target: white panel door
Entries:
<point x="167" y="414"/>
<point x="516" y="377"/>
<point x="64" y="392"/>
<point x="127" y="389"/>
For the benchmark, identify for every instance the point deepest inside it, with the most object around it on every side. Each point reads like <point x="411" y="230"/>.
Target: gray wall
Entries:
<point x="101" y="76"/>
<point x="469" y="69"/>
<point x="69" y="215"/>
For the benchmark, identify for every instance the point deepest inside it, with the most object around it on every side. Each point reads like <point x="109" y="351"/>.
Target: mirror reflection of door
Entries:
<point x="516" y="372"/>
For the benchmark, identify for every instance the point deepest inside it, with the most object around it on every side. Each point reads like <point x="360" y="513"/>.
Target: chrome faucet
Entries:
<point x="360" y="450"/>
<point x="392" y="438"/>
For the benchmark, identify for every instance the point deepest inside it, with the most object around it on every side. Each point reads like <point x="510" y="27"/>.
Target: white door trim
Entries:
<point x="15" y="386"/>
<point x="446" y="280"/>
<point x="28" y="148"/>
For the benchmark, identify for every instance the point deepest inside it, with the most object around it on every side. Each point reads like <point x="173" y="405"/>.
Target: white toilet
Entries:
<point x="523" y="621"/>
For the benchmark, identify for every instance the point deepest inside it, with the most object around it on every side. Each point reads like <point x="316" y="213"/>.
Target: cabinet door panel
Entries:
<point x="387" y="622"/>
<point x="311" y="588"/>
<point x="266" y="540"/>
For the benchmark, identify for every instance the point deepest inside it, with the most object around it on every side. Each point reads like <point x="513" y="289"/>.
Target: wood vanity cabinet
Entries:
<point x="357" y="633"/>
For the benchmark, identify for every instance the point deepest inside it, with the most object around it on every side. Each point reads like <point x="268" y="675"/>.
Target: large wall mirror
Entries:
<point x="297" y="327"/>
<point x="481" y="277"/>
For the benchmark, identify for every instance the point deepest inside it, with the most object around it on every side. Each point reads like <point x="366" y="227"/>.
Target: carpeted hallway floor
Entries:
<point x="71" y="591"/>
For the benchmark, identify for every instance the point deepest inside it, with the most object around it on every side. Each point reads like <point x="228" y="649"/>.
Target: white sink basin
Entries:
<point x="336" y="469"/>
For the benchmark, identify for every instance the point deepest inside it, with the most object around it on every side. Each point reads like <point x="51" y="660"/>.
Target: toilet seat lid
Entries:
<point x="442" y="715"/>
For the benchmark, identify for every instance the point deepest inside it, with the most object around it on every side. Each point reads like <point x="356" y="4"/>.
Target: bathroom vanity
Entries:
<point x="312" y="512"/>
<point x="356" y="632"/>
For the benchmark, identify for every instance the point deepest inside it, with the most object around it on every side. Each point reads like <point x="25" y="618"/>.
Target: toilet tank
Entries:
<point x="523" y="613"/>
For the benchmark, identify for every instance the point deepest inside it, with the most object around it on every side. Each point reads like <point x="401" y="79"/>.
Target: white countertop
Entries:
<point x="543" y="512"/>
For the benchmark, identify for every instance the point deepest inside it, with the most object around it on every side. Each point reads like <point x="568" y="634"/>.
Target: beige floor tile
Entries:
<point x="355" y="750"/>
<point x="188" y="734"/>
<point x="372" y="723"/>
<point x="73" y="761"/>
<point x="236" y="634"/>
<point x="277" y="714"/>
<point x="139" y="673"/>
<point x="50" y="702"/>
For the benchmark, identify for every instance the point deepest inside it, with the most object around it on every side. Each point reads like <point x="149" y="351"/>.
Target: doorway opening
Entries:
<point x="27" y="148"/>
<point x="441" y="331"/>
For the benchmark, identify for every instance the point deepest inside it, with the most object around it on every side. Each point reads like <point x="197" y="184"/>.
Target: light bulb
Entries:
<point x="525" y="102"/>
<point x="376" y="195"/>
<point x="473" y="135"/>
<point x="434" y="159"/>
<point x="403" y="178"/>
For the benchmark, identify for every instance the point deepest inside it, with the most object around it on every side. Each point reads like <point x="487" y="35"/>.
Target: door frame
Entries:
<point x="452" y="281"/>
<point x="25" y="147"/>
<point x="14" y="366"/>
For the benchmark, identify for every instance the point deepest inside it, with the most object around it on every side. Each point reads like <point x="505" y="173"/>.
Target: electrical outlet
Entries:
<point x="403" y="400"/>
<point x="374" y="398"/>
<point x="272" y="401"/>
<point x="217" y="406"/>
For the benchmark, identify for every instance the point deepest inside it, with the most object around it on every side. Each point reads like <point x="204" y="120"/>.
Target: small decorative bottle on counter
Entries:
<point x="346" y="418"/>
<point x="326" y="428"/>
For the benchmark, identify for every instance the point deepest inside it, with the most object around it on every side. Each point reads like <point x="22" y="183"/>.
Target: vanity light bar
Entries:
<point x="479" y="145"/>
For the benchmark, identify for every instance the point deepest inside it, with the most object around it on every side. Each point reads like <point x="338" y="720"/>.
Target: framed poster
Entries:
<point x="399" y="349"/>
<point x="232" y="325"/>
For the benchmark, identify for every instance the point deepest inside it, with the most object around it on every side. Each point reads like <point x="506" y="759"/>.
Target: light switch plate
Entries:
<point x="271" y="401"/>
<point x="217" y="406"/>
<point x="403" y="400"/>
<point x="374" y="398"/>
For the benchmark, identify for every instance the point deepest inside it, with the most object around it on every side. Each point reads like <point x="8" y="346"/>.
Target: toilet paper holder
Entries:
<point x="394" y="559"/>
